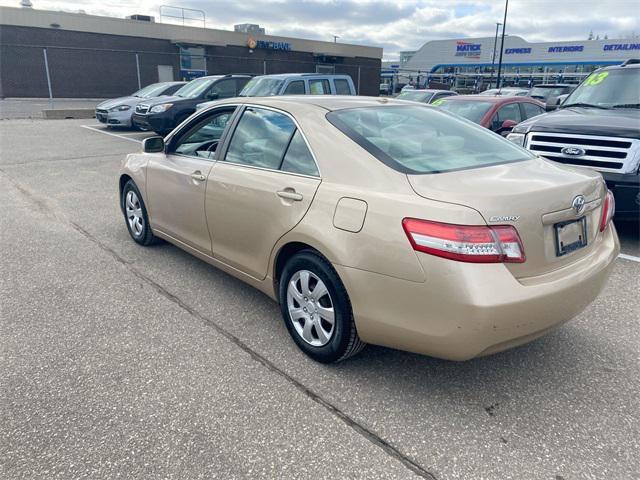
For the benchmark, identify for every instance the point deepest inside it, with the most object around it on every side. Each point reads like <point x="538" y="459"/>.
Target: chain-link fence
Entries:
<point x="77" y="72"/>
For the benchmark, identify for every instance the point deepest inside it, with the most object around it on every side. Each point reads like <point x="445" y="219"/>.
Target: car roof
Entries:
<point x="489" y="98"/>
<point x="326" y="102"/>
<point x="429" y="90"/>
<point x="623" y="66"/>
<point x="231" y="75"/>
<point x="305" y="75"/>
<point x="554" y="85"/>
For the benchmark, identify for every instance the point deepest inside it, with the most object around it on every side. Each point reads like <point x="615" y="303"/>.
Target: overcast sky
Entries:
<point x="394" y="25"/>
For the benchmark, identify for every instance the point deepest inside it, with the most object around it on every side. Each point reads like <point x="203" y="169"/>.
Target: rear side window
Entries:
<point x="295" y="88"/>
<point x="261" y="138"/>
<point x="298" y="158"/>
<point x="319" y="87"/>
<point x="342" y="86"/>
<point x="418" y="139"/>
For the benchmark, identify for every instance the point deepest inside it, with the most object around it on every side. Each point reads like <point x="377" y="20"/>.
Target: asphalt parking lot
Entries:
<point x="132" y="362"/>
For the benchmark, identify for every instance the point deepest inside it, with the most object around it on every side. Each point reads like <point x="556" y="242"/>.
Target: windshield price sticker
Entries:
<point x="596" y="79"/>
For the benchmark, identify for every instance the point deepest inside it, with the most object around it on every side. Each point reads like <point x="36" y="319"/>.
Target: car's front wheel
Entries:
<point x="135" y="215"/>
<point x="316" y="309"/>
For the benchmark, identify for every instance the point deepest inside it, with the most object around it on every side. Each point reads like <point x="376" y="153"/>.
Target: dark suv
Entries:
<point x="598" y="127"/>
<point x="163" y="114"/>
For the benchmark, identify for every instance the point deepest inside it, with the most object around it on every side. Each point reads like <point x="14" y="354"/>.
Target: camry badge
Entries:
<point x="504" y="218"/>
<point x="573" y="151"/>
<point x="578" y="203"/>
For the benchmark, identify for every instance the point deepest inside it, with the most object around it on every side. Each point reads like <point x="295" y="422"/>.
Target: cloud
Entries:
<point x="394" y="25"/>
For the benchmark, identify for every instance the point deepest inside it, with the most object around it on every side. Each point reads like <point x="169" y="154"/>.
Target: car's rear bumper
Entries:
<point x="626" y="190"/>
<point x="467" y="310"/>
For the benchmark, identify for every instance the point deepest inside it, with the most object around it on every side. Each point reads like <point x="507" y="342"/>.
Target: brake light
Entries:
<point x="608" y="210"/>
<point x="465" y="243"/>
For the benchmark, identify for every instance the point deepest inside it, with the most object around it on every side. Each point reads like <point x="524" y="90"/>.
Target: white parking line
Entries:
<point x="624" y="256"/>
<point x="89" y="127"/>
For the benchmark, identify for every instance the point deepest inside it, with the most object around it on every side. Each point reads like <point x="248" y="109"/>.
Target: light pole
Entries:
<point x="504" y="26"/>
<point x="493" y="58"/>
<point x="335" y="38"/>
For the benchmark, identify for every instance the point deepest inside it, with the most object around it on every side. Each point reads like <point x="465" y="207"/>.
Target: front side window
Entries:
<point x="261" y="138"/>
<point x="319" y="87"/>
<point x="223" y="89"/>
<point x="342" y="86"/>
<point x="202" y="139"/>
<point x="420" y="139"/>
<point x="510" y="111"/>
<point x="531" y="110"/>
<point x="295" y="88"/>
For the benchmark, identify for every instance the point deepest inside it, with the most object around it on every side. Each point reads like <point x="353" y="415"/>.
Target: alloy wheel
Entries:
<point x="134" y="213"/>
<point x="310" y="308"/>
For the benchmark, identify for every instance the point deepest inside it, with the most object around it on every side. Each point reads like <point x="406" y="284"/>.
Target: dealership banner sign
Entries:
<point x="468" y="50"/>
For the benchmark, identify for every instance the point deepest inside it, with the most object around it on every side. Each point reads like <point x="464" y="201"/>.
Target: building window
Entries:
<point x="192" y="58"/>
<point x="326" y="69"/>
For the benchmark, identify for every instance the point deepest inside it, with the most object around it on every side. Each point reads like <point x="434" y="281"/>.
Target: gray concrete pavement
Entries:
<point x="146" y="362"/>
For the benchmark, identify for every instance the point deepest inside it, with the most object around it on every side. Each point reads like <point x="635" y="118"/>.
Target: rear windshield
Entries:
<point x="546" y="92"/>
<point x="419" y="139"/>
<point x="472" y="110"/>
<point x="415" y="96"/>
<point x="152" y="90"/>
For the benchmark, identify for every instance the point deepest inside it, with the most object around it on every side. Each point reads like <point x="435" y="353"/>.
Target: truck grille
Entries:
<point x="607" y="154"/>
<point x="142" y="109"/>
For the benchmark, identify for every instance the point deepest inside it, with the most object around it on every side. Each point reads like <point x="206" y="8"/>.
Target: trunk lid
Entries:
<point x="533" y="196"/>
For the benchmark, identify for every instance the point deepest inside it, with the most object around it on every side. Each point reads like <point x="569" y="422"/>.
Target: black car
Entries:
<point x="598" y="127"/>
<point x="163" y="114"/>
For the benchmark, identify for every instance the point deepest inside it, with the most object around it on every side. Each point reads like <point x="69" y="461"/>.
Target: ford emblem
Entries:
<point x="578" y="203"/>
<point x="573" y="151"/>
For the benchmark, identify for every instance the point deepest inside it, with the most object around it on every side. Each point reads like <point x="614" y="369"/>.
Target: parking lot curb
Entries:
<point x="62" y="114"/>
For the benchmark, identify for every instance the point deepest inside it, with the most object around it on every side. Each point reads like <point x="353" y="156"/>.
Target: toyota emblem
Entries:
<point x="578" y="203"/>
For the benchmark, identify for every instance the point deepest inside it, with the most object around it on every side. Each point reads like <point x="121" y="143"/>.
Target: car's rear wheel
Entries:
<point x="135" y="215"/>
<point x="316" y="309"/>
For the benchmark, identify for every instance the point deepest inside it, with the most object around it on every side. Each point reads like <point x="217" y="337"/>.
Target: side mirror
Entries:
<point x="212" y="96"/>
<point x="153" y="145"/>
<point x="507" y="126"/>
<point x="551" y="103"/>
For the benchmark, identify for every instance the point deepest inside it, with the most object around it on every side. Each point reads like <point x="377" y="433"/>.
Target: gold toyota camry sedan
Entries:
<point x="377" y="221"/>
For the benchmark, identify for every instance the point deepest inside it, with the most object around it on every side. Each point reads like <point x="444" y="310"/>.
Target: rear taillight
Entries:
<point x="465" y="243"/>
<point x="608" y="210"/>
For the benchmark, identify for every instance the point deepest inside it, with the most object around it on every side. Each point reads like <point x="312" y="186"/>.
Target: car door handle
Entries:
<point x="198" y="176"/>
<point x="290" y="194"/>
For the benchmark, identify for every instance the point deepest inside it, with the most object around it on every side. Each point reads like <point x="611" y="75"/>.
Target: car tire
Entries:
<point x="307" y="310"/>
<point x="135" y="215"/>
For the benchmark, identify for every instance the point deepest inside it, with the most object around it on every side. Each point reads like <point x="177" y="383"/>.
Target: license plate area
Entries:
<point x="570" y="236"/>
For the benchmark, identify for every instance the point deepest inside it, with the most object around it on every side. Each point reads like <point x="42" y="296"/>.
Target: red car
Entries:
<point x="499" y="114"/>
